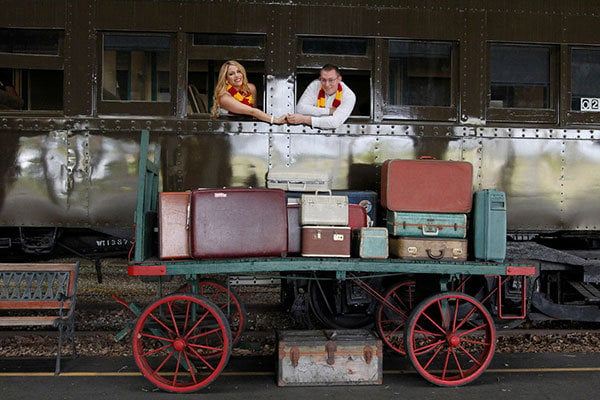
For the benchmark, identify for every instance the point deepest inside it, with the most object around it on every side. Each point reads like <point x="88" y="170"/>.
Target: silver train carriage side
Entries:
<point x="513" y="89"/>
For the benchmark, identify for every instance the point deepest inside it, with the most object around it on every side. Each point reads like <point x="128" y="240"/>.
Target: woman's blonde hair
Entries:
<point x="222" y="84"/>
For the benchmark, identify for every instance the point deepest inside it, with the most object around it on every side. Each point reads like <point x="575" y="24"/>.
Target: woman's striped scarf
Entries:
<point x="240" y="97"/>
<point x="336" y="102"/>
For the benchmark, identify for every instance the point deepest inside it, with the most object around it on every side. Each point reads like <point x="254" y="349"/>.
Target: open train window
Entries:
<point x="31" y="69"/>
<point x="352" y="55"/>
<point x="522" y="83"/>
<point x="137" y="74"/>
<point x="206" y="54"/>
<point x="422" y="81"/>
<point x="585" y="85"/>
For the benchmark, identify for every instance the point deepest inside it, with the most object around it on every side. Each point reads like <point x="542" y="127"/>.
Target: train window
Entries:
<point x="206" y="54"/>
<point x="31" y="69"/>
<point x="522" y="83"/>
<point x="585" y="80"/>
<point x="341" y="46"/>
<point x="136" y="68"/>
<point x="421" y="80"/>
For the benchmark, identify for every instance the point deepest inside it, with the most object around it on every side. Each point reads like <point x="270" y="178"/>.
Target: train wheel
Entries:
<point x="450" y="339"/>
<point x="393" y="313"/>
<point x="181" y="342"/>
<point x="340" y="304"/>
<point x="228" y="301"/>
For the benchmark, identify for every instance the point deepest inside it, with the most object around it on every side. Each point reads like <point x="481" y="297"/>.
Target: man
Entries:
<point x="326" y="103"/>
<point x="9" y="99"/>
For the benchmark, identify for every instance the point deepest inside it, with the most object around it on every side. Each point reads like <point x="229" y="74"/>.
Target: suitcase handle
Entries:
<point x="323" y="191"/>
<point x="299" y="187"/>
<point x="433" y="232"/>
<point x="437" y="256"/>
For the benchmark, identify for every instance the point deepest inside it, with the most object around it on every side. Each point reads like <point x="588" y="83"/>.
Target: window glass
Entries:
<point x="585" y="80"/>
<point x="520" y="76"/>
<point x="341" y="46"/>
<point x="29" y="41"/>
<point x="420" y="73"/>
<point x="136" y="68"/>
<point x="31" y="89"/>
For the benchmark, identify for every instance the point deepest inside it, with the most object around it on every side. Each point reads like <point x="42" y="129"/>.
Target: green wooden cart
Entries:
<point x="182" y="341"/>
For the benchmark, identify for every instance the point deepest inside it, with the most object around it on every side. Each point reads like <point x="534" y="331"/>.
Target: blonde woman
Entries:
<point x="236" y="95"/>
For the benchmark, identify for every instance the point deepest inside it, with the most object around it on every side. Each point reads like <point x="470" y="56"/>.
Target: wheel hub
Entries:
<point x="453" y="340"/>
<point x="179" y="344"/>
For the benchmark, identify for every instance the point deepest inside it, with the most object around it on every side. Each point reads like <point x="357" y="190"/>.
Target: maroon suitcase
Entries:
<point x="326" y="241"/>
<point x="427" y="186"/>
<point x="172" y="228"/>
<point x="357" y="216"/>
<point x="238" y="222"/>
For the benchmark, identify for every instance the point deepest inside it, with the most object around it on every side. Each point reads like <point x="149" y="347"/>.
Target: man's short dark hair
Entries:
<point x="331" y="67"/>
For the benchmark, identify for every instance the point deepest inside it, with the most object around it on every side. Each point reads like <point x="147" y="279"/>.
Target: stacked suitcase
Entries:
<point x="427" y="203"/>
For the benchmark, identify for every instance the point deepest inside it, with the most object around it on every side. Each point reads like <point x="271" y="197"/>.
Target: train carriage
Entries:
<point x="512" y="89"/>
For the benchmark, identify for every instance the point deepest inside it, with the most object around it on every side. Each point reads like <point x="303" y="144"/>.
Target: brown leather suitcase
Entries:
<point x="238" y="222"/>
<point x="428" y="249"/>
<point x="173" y="225"/>
<point x="427" y="185"/>
<point x="357" y="216"/>
<point x="326" y="241"/>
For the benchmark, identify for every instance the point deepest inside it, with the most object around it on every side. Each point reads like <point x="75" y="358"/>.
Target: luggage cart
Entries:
<point x="183" y="341"/>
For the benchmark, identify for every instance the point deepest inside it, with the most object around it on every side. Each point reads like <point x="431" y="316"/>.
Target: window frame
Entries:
<point x="138" y="107"/>
<point x="525" y="115"/>
<point x="576" y="116"/>
<point x="415" y="112"/>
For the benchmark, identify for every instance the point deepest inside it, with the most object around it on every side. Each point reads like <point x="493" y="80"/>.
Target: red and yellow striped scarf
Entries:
<point x="336" y="102"/>
<point x="240" y="97"/>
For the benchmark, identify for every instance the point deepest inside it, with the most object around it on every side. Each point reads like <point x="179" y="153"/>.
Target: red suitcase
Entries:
<point x="357" y="216"/>
<point x="172" y="228"/>
<point x="427" y="186"/>
<point x="238" y="222"/>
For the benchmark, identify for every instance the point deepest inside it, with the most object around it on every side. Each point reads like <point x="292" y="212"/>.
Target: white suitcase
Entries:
<point x="318" y="209"/>
<point x="298" y="180"/>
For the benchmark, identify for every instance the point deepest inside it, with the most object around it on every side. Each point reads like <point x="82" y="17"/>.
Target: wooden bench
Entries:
<point x="40" y="295"/>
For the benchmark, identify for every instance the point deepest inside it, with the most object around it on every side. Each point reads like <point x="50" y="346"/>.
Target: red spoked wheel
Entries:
<point x="450" y="339"/>
<point x="228" y="301"/>
<point x="393" y="312"/>
<point x="181" y="342"/>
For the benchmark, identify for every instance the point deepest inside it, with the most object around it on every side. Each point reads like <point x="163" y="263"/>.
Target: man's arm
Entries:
<point x="341" y="113"/>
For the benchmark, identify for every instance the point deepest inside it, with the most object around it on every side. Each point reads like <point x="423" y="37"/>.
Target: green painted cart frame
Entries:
<point x="449" y="337"/>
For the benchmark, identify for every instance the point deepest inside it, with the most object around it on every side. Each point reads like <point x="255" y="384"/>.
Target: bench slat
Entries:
<point x="28" y="321"/>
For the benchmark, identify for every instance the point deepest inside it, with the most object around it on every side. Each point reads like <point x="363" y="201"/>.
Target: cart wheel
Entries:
<point x="393" y="313"/>
<point x="228" y="301"/>
<point x="450" y="339"/>
<point x="181" y="342"/>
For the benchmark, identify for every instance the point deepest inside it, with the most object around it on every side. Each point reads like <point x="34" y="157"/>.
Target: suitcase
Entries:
<point x="357" y="216"/>
<point x="329" y="357"/>
<point x="318" y="209"/>
<point x="173" y="225"/>
<point x="427" y="224"/>
<point x="294" y="231"/>
<point x="238" y="222"/>
<point x="427" y="186"/>
<point x="367" y="199"/>
<point x="326" y="241"/>
<point x="427" y="249"/>
<point x="489" y="225"/>
<point x="298" y="180"/>
<point x="370" y="242"/>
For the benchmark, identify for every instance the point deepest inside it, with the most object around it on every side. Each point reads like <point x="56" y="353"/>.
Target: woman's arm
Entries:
<point x="230" y="104"/>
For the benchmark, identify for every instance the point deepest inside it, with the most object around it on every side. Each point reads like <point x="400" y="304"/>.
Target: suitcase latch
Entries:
<point x="330" y="348"/>
<point x="368" y="354"/>
<point x="412" y="250"/>
<point x="294" y="356"/>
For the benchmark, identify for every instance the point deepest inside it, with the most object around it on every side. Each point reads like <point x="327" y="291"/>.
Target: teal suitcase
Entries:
<point x="489" y="225"/>
<point x="427" y="224"/>
<point x="370" y="242"/>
